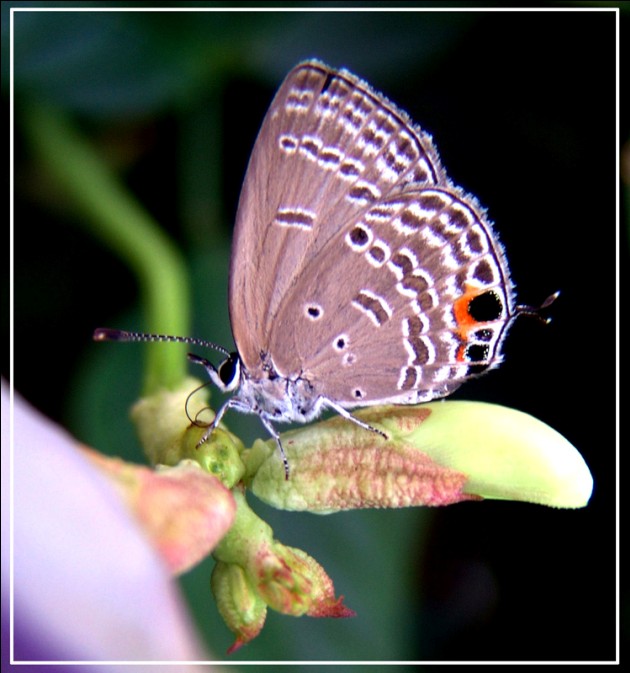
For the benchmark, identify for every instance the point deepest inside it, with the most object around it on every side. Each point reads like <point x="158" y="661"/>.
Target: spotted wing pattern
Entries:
<point x="328" y="148"/>
<point x="360" y="266"/>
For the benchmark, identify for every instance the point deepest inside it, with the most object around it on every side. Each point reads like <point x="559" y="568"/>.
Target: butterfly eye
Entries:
<point x="230" y="371"/>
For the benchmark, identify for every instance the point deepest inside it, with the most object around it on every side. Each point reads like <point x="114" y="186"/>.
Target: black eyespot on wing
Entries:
<point x="486" y="307"/>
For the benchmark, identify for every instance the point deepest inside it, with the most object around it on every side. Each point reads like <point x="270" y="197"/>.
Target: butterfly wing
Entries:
<point x="329" y="148"/>
<point x="402" y="304"/>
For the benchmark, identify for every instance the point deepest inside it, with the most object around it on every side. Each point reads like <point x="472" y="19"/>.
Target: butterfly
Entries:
<point x="360" y="273"/>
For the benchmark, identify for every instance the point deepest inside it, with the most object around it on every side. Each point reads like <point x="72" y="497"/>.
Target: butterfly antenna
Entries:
<point x="194" y="420"/>
<point x="108" y="334"/>
<point x="535" y="311"/>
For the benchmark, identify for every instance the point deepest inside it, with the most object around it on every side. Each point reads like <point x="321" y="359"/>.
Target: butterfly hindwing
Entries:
<point x="406" y="301"/>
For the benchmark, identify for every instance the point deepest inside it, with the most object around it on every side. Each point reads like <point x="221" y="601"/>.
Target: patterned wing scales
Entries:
<point x="328" y="150"/>
<point x="408" y="300"/>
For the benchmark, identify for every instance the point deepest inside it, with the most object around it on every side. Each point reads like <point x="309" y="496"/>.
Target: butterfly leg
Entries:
<point x="235" y="403"/>
<point x="217" y="419"/>
<point x="346" y="414"/>
<point x="274" y="433"/>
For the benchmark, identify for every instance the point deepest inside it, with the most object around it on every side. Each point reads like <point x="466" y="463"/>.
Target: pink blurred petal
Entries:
<point x="87" y="583"/>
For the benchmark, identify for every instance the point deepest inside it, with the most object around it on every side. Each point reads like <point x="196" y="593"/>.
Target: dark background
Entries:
<point x="522" y="108"/>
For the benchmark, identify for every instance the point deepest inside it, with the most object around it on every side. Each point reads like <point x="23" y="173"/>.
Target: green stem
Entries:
<point x="110" y="213"/>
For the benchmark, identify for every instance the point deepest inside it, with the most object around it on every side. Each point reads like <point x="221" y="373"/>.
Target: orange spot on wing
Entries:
<point x="464" y="320"/>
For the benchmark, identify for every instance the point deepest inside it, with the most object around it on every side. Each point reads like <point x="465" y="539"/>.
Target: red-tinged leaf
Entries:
<point x="183" y="510"/>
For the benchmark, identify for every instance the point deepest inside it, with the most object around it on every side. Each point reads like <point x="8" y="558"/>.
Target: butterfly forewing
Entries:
<point x="329" y="150"/>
